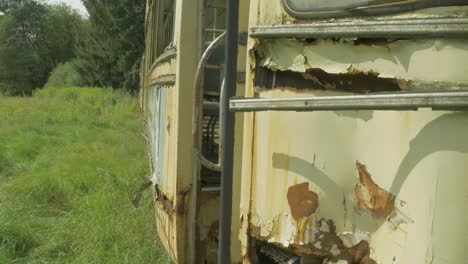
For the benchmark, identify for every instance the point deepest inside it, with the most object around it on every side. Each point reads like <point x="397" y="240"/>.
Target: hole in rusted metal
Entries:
<point x="374" y="41"/>
<point x="164" y="201"/>
<point x="270" y="253"/>
<point x="318" y="79"/>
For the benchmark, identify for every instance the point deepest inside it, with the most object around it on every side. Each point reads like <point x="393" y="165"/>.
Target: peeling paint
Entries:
<point x="370" y="196"/>
<point x="326" y="244"/>
<point x="330" y="246"/>
<point x="351" y="239"/>
<point x="400" y="59"/>
<point x="398" y="218"/>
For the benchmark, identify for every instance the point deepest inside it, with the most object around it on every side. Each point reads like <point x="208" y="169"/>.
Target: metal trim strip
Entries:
<point x="385" y="28"/>
<point x="454" y="100"/>
<point x="167" y="55"/>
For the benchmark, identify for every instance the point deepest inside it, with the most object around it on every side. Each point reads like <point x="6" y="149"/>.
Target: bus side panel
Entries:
<point x="381" y="186"/>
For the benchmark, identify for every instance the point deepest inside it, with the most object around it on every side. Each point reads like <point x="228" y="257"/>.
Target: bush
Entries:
<point x="64" y="75"/>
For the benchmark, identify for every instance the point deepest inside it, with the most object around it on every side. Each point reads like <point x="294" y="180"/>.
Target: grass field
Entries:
<point x="70" y="161"/>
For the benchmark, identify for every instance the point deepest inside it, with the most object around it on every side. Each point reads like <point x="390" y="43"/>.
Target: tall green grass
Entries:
<point x="70" y="161"/>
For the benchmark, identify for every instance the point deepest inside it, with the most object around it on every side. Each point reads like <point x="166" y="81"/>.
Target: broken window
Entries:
<point x="339" y="8"/>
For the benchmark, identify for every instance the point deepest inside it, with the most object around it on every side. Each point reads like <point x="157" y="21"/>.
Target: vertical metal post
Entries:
<point x="201" y="28"/>
<point x="227" y="132"/>
<point x="215" y="22"/>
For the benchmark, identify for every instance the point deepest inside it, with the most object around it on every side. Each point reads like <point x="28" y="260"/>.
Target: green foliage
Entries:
<point x="59" y="36"/>
<point x="110" y="52"/>
<point x="64" y="75"/>
<point x="34" y="39"/>
<point x="20" y="64"/>
<point x="70" y="161"/>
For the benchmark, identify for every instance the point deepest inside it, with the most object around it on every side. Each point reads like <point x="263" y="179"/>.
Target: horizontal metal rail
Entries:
<point x="358" y="28"/>
<point x="454" y="100"/>
<point x="214" y="30"/>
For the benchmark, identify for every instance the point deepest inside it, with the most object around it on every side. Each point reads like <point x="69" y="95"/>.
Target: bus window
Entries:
<point x="165" y="26"/>
<point x="161" y="29"/>
<point x="212" y="25"/>
<point x="338" y="8"/>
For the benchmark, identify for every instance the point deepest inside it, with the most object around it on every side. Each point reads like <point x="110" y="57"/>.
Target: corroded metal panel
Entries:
<point x="208" y="223"/>
<point x="380" y="177"/>
<point x="355" y="186"/>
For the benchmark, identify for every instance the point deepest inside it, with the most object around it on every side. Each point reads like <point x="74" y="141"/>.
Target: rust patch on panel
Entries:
<point x="168" y="125"/>
<point x="255" y="231"/>
<point x="166" y="203"/>
<point x="370" y="196"/>
<point x="326" y="245"/>
<point x="180" y="208"/>
<point x="302" y="201"/>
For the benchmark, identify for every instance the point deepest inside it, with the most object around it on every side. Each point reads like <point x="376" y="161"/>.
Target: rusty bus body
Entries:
<point x="351" y="136"/>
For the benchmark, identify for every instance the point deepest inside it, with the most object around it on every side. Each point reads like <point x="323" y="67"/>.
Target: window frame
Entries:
<point x="155" y="47"/>
<point x="160" y="44"/>
<point x="371" y="10"/>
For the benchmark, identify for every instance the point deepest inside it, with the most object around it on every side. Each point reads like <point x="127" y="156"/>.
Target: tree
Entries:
<point x="20" y="64"/>
<point x="109" y="55"/>
<point x="59" y="37"/>
<point x="34" y="39"/>
<point x="105" y="48"/>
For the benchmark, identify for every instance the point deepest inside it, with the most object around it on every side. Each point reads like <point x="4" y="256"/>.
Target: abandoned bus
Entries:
<point x="308" y="131"/>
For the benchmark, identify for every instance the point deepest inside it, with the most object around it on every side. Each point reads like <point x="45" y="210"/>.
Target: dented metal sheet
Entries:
<point x="389" y="204"/>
